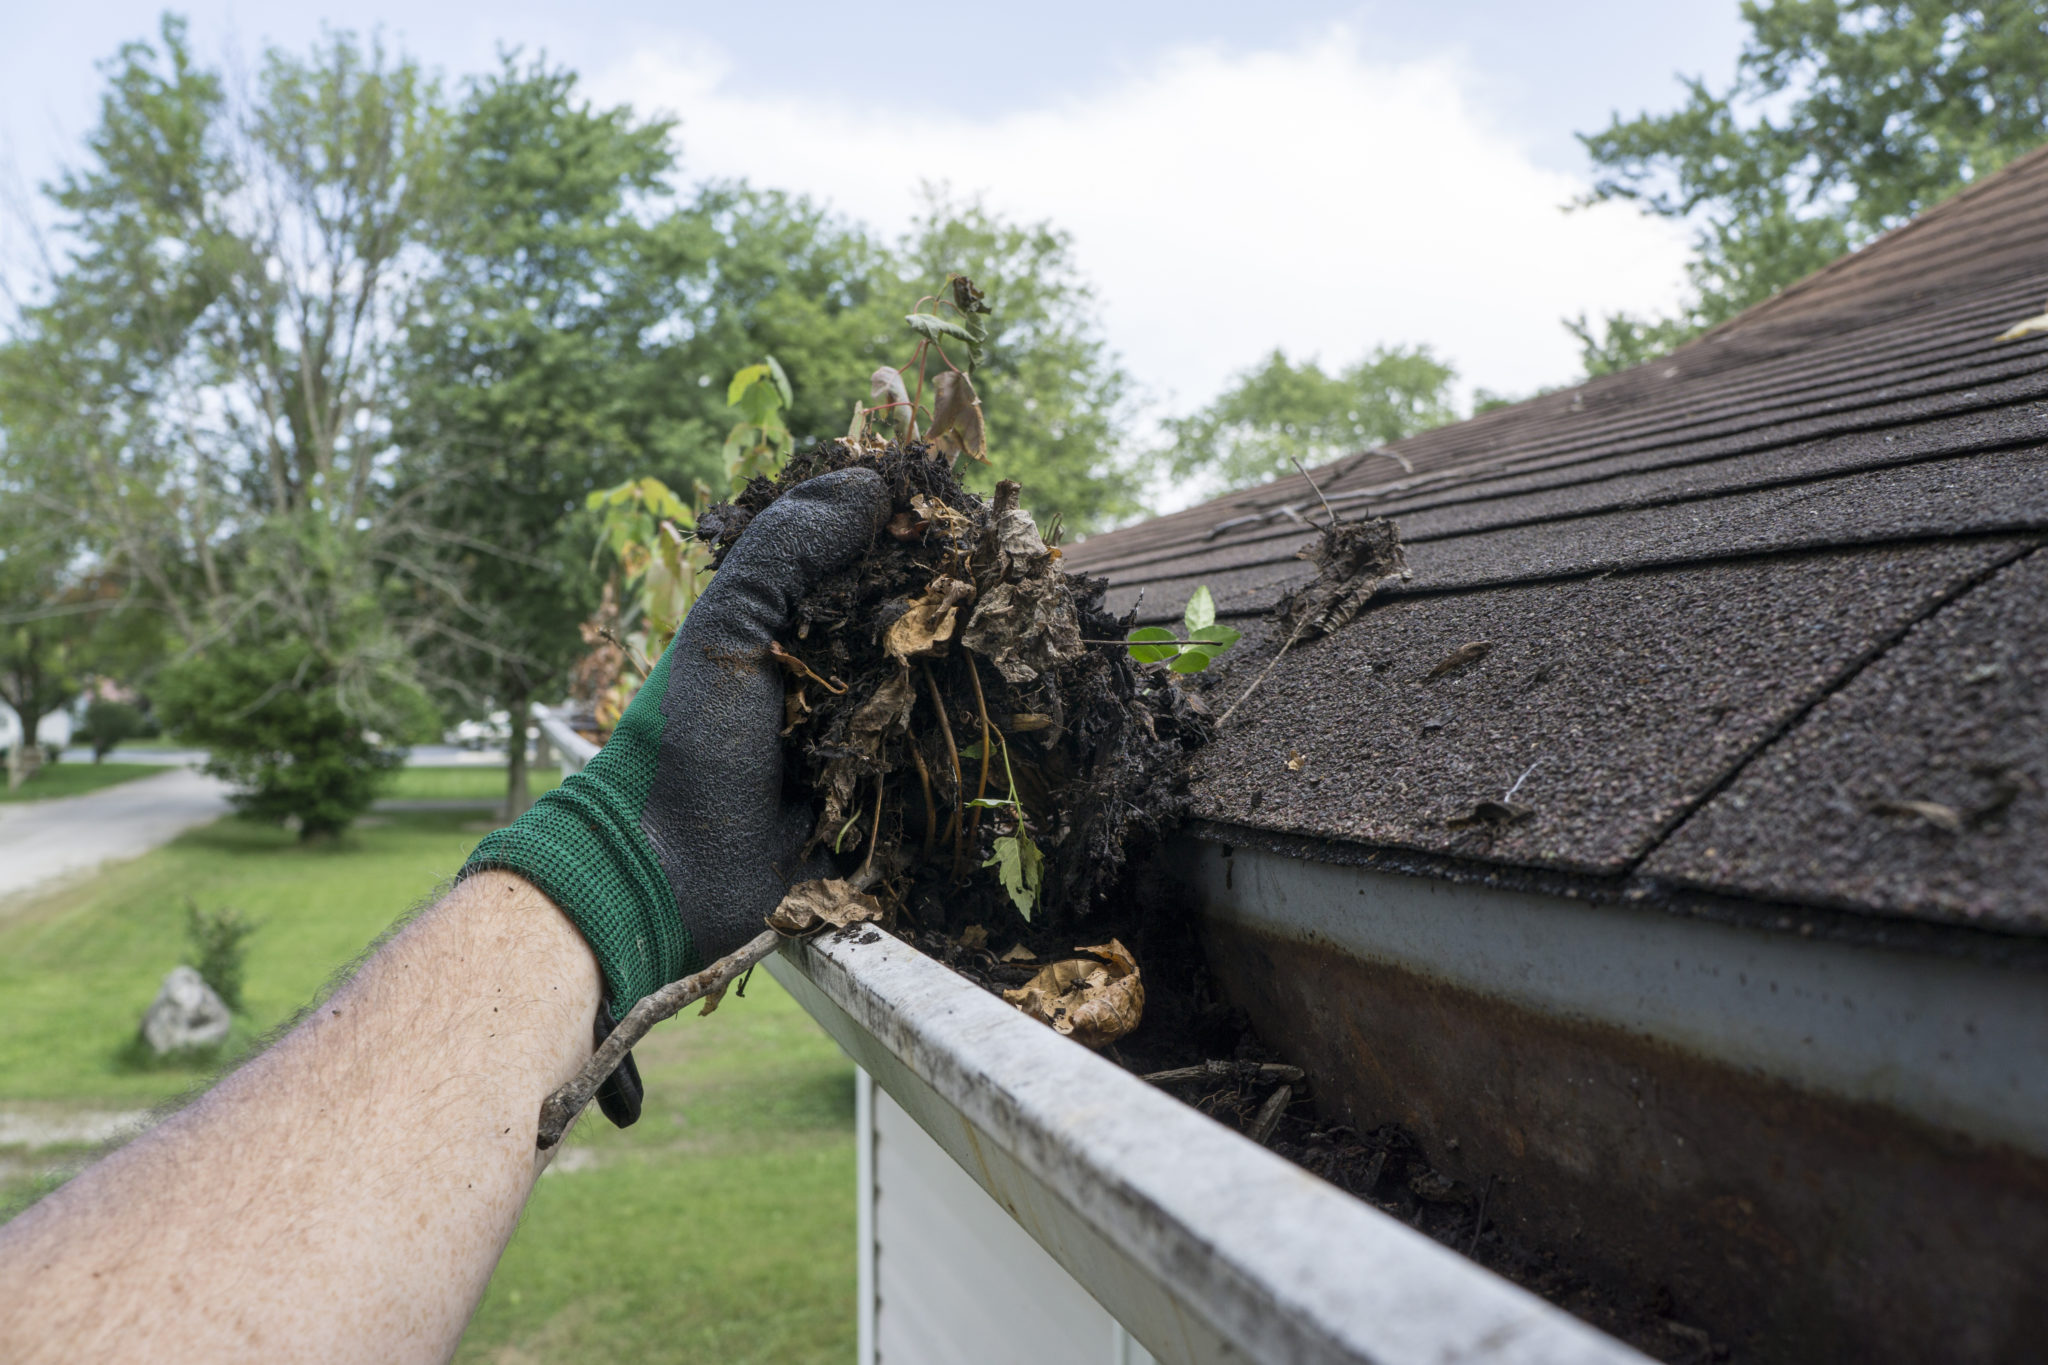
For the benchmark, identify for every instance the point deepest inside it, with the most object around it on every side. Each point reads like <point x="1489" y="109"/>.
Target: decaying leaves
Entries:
<point x="1933" y="812"/>
<point x="1489" y="814"/>
<point x="810" y="906"/>
<point x="885" y="386"/>
<point x="1025" y="628"/>
<point x="930" y="622"/>
<point x="1019" y="953"/>
<point x="2026" y="326"/>
<point x="880" y="717"/>
<point x="1296" y="760"/>
<point x="958" y="426"/>
<point x="974" y="936"/>
<point x="1463" y="656"/>
<point x="1093" y="1002"/>
<point x="1352" y="559"/>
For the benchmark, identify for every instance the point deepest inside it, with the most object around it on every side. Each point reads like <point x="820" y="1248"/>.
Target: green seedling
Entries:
<point x="1206" y="639"/>
<point x="1018" y="863"/>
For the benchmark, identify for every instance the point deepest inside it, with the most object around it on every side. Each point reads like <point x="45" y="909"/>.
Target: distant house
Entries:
<point x="1700" y="917"/>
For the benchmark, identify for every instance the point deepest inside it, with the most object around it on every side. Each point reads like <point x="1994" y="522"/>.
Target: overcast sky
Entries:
<point x="1320" y="177"/>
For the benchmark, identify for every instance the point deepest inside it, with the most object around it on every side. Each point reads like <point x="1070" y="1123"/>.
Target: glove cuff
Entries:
<point x="582" y="846"/>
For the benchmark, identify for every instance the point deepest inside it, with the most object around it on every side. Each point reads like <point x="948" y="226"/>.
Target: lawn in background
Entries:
<point x="75" y="778"/>
<point x="483" y="785"/>
<point x="718" y="1227"/>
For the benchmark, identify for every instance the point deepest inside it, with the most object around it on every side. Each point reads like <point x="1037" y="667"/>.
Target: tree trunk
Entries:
<point x="518" y="707"/>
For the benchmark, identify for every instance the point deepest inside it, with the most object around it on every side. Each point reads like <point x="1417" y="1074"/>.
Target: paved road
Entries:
<point x="44" y="841"/>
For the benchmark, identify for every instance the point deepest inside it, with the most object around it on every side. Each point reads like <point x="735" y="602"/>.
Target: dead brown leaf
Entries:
<point x="974" y="936"/>
<point x="796" y="708"/>
<point x="885" y="713"/>
<point x="1024" y="722"/>
<point x="713" y="1001"/>
<point x="1094" y="1003"/>
<point x="1025" y="628"/>
<point x="907" y="526"/>
<point x="2026" y="326"/>
<point x="1933" y="812"/>
<point x="885" y="386"/>
<point x="809" y="906"/>
<point x="1296" y="760"/>
<point x="930" y="622"/>
<point x="1489" y="813"/>
<point x="1019" y="953"/>
<point x="1461" y="656"/>
<point x="957" y="424"/>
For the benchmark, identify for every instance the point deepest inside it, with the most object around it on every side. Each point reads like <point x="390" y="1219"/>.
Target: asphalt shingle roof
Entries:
<point x="1741" y="603"/>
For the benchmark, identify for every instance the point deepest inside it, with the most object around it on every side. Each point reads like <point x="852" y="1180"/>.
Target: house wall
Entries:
<point x="948" y="1276"/>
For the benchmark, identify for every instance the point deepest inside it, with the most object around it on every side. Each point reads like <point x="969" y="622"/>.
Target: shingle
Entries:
<point x="1957" y="715"/>
<point x="1638" y="692"/>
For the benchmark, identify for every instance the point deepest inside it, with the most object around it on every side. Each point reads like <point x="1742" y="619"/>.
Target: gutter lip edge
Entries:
<point x="1176" y="1192"/>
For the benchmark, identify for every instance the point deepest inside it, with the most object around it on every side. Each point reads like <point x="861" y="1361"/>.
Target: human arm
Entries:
<point x="346" y="1194"/>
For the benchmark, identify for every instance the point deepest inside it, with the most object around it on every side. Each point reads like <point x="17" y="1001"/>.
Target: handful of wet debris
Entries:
<point x="978" y="738"/>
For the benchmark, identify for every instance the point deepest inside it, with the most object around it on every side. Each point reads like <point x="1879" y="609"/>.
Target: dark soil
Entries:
<point x="1097" y="745"/>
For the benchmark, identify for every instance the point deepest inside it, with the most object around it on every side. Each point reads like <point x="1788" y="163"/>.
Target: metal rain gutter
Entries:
<point x="1206" y="1246"/>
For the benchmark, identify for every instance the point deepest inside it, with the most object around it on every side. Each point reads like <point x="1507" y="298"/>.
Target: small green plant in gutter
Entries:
<point x="1018" y="863"/>
<point x="1206" y="639"/>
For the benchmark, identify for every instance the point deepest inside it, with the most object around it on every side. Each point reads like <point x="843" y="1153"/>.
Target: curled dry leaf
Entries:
<point x="958" y="426"/>
<point x="1025" y="628"/>
<point x="1019" y="953"/>
<point x="1461" y="656"/>
<point x="885" y="386"/>
<point x="1933" y="812"/>
<point x="881" y="716"/>
<point x="930" y="622"/>
<point x="974" y="936"/>
<point x="809" y="906"/>
<point x="2026" y="327"/>
<point x="1489" y="813"/>
<point x="1094" y="1003"/>
<point x="1296" y="761"/>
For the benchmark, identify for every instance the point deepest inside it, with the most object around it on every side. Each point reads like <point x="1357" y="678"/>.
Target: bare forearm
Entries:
<point x="347" y="1194"/>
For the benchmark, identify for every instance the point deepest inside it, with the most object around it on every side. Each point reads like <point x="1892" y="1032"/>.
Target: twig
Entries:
<point x="1276" y="1104"/>
<point x="1313" y="489"/>
<point x="1299" y="626"/>
<point x="931" y="810"/>
<point x="633" y="656"/>
<point x="1479" y="1223"/>
<point x="981" y="789"/>
<point x="875" y="834"/>
<point x="560" y="1109"/>
<point x="1510" y="795"/>
<point x="1202" y="1071"/>
<point x="953" y="751"/>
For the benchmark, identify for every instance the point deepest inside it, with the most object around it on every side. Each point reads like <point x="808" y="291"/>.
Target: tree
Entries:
<point x="1844" y="119"/>
<point x="1279" y="412"/>
<point x="540" y="369"/>
<point x="1056" y="400"/>
<point x="223" y="327"/>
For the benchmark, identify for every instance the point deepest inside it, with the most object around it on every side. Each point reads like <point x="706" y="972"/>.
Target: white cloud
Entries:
<point x="1224" y="203"/>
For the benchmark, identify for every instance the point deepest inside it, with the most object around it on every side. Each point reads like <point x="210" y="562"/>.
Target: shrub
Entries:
<point x="219" y="948"/>
<point x="108" y="723"/>
<point x="274" y="723"/>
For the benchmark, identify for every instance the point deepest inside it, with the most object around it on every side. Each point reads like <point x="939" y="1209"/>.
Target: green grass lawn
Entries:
<point x="482" y="785"/>
<point x="74" y="778"/>
<point x="718" y="1227"/>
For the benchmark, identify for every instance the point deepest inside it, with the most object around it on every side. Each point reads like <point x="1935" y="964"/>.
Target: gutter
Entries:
<point x="1204" y="1245"/>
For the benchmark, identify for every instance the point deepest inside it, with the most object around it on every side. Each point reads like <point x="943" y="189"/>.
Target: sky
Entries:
<point x="1319" y="177"/>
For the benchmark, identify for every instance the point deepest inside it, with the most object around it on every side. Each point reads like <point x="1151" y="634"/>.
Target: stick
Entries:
<point x="974" y="822"/>
<point x="1313" y="489"/>
<point x="952" y="749"/>
<point x="560" y="1109"/>
<point x="1218" y="1071"/>
<point x="1298" y="628"/>
<point x="1479" y="1223"/>
<point x="931" y="811"/>
<point x="1276" y="1104"/>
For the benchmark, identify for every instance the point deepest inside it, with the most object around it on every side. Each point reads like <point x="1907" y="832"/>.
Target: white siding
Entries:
<point x="954" y="1278"/>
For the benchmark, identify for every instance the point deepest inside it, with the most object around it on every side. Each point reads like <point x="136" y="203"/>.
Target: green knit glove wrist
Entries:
<point x="584" y="846"/>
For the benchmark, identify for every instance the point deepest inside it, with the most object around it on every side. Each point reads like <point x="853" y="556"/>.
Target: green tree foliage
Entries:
<point x="1055" y="399"/>
<point x="538" y="369"/>
<point x="1844" y="119"/>
<point x="1280" y="411"/>
<point x="108" y="724"/>
<point x="220" y="949"/>
<point x="222" y="333"/>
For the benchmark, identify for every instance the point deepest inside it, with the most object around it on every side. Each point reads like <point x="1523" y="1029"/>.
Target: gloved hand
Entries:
<point x="676" y="840"/>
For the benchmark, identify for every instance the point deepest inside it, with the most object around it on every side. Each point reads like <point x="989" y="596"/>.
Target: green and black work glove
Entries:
<point x="677" y="839"/>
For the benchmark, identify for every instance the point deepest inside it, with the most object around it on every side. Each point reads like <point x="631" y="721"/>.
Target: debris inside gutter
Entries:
<point x="995" y="769"/>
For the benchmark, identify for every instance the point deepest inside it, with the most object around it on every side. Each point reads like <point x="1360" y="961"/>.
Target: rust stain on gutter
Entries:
<point x="1799" y="1227"/>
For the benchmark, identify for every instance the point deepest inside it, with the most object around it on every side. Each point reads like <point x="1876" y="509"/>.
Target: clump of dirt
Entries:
<point x="978" y="739"/>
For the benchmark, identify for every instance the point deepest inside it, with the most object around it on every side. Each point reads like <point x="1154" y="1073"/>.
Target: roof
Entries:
<point x="1766" y="615"/>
